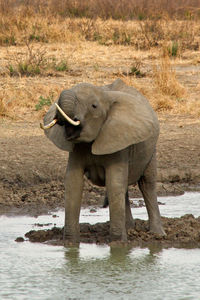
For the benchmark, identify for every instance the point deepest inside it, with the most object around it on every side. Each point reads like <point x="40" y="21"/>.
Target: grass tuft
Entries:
<point x="166" y="81"/>
<point x="3" y="111"/>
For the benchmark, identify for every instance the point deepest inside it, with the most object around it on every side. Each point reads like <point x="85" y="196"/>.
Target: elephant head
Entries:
<point x="110" y="118"/>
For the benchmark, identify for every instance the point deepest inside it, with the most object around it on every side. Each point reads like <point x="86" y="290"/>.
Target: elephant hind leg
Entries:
<point x="147" y="185"/>
<point x="105" y="203"/>
<point x="130" y="223"/>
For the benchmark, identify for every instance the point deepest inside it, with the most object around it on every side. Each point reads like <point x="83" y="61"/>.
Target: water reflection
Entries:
<point x="118" y="273"/>
<point x="126" y="273"/>
<point x="120" y="257"/>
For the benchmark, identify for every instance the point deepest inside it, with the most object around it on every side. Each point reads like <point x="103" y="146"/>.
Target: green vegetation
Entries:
<point x="34" y="61"/>
<point x="61" y="66"/>
<point x="173" y="49"/>
<point x="44" y="102"/>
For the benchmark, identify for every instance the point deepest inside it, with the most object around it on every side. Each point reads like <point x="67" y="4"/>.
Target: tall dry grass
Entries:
<point x="142" y="24"/>
<point x="168" y="88"/>
<point x="17" y="30"/>
<point x="166" y="80"/>
<point x="105" y="9"/>
<point x="139" y="25"/>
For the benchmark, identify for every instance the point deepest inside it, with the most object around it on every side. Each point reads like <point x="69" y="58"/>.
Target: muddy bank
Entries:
<point x="32" y="169"/>
<point x="180" y="232"/>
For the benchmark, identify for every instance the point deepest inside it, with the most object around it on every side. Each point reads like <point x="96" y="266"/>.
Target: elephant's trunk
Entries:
<point x="52" y="123"/>
<point x="72" y="122"/>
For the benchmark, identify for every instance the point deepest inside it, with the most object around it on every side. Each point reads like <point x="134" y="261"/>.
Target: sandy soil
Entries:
<point x="32" y="168"/>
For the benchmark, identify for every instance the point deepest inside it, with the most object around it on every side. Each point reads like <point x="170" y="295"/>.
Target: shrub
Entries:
<point x="44" y="102"/>
<point x="35" y="62"/>
<point x="136" y="69"/>
<point x="31" y="63"/>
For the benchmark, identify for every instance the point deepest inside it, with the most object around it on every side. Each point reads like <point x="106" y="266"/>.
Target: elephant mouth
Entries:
<point x="72" y="132"/>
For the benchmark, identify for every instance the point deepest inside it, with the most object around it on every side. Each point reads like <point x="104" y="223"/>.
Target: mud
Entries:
<point x="32" y="169"/>
<point x="180" y="232"/>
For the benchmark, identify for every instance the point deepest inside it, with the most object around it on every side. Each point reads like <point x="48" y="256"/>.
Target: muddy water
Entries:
<point x="39" y="271"/>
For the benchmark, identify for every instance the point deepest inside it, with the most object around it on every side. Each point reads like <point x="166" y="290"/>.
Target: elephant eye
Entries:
<point x="94" y="105"/>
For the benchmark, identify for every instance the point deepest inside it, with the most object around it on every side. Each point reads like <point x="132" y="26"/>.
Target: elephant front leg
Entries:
<point x="116" y="185"/>
<point x="73" y="195"/>
<point x="147" y="185"/>
<point x="130" y="223"/>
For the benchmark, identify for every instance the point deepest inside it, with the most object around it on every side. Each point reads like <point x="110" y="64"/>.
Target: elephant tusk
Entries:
<point x="75" y="123"/>
<point x="51" y="124"/>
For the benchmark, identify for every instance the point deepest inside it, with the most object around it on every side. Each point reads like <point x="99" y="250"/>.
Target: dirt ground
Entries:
<point x="32" y="168"/>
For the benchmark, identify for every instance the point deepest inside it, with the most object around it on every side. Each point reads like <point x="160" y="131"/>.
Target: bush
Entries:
<point x="44" y="102"/>
<point x="35" y="62"/>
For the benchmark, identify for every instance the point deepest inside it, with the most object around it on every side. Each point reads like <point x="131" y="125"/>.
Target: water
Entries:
<point x="39" y="271"/>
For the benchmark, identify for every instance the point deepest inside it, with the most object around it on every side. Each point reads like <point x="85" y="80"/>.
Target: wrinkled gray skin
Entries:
<point x="114" y="145"/>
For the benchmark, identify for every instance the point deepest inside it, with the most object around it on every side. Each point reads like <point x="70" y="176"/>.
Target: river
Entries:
<point x="40" y="271"/>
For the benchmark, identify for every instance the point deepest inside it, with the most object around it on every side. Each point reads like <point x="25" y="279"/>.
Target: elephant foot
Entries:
<point x="158" y="229"/>
<point x="118" y="237"/>
<point x="68" y="243"/>
<point x="118" y="244"/>
<point x="71" y="239"/>
<point x="105" y="203"/>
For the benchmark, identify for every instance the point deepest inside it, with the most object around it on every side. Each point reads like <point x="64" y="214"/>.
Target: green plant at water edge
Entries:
<point x="44" y="102"/>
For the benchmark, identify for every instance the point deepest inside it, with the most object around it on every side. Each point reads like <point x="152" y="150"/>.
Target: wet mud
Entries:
<point x="180" y="232"/>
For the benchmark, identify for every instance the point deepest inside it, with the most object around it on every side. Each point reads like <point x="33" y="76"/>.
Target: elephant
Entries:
<point x="111" y="134"/>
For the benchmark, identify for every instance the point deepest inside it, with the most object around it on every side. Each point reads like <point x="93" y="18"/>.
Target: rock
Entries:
<point x="19" y="239"/>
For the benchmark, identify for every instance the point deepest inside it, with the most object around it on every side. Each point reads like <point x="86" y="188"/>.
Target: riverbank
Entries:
<point x="180" y="219"/>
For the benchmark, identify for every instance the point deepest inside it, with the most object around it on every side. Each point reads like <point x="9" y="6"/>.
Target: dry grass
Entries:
<point x="166" y="80"/>
<point x="47" y="22"/>
<point x="123" y="9"/>
<point x="61" y="46"/>
<point x="91" y="62"/>
<point x="139" y="34"/>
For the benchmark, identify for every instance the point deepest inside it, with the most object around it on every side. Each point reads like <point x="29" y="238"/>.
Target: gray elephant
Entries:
<point x="111" y="134"/>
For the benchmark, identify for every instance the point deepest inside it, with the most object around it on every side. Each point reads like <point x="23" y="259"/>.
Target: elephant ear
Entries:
<point x="130" y="120"/>
<point x="56" y="133"/>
